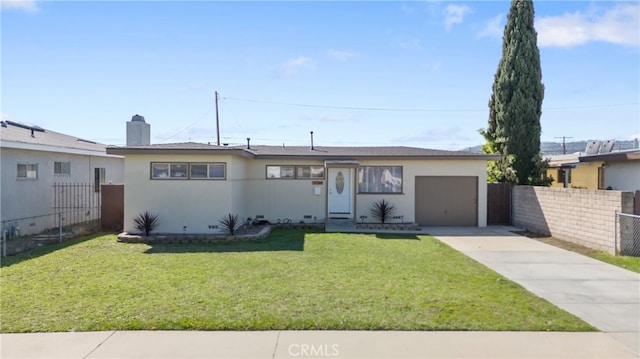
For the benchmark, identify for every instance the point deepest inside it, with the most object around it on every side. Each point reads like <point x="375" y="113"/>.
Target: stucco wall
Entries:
<point x="585" y="217"/>
<point x="22" y="198"/>
<point x="247" y="192"/>
<point x="196" y="204"/>
<point x="405" y="202"/>
<point x="585" y="176"/>
<point x="623" y="176"/>
<point x="284" y="198"/>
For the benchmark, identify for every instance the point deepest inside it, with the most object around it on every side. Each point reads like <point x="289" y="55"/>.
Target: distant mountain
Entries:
<point x="555" y="148"/>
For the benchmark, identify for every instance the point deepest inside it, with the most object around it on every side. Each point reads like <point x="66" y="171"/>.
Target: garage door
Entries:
<point x="447" y="201"/>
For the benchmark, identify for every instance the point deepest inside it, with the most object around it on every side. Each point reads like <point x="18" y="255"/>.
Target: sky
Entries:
<point x="356" y="73"/>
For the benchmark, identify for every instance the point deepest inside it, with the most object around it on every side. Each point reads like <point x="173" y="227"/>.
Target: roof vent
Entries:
<point x="248" y="143"/>
<point x="137" y="118"/>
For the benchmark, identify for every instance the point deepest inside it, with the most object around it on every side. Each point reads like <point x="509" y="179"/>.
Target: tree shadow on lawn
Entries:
<point x="45" y="249"/>
<point x="283" y="240"/>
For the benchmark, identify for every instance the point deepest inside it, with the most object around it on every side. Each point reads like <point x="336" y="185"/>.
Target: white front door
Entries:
<point x="340" y="198"/>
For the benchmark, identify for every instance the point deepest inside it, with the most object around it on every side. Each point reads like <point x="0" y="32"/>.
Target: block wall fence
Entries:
<point x="585" y="217"/>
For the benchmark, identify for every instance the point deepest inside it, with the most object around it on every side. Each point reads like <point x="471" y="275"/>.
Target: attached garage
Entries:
<point x="446" y="200"/>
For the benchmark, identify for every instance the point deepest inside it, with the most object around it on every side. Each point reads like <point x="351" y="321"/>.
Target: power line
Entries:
<point x="359" y="108"/>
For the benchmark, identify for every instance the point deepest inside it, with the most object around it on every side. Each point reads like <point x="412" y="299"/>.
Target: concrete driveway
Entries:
<point x="603" y="295"/>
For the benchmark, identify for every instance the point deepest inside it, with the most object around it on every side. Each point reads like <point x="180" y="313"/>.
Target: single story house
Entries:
<point x="568" y="172"/>
<point x="33" y="160"/>
<point x="619" y="170"/>
<point x="191" y="186"/>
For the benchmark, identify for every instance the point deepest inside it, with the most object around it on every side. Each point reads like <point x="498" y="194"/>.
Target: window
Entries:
<point x="292" y="172"/>
<point x="601" y="177"/>
<point x="159" y="170"/>
<point x="99" y="177"/>
<point x="310" y="172"/>
<point x="27" y="170"/>
<point x="186" y="170"/>
<point x="560" y="175"/>
<point x="281" y="172"/>
<point x="62" y="168"/>
<point x="207" y="170"/>
<point x="380" y="179"/>
<point x="178" y="170"/>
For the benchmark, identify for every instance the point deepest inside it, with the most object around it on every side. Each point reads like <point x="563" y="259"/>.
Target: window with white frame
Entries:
<point x="380" y="179"/>
<point x="27" y="170"/>
<point x="295" y="172"/>
<point x="61" y="168"/>
<point x="187" y="170"/>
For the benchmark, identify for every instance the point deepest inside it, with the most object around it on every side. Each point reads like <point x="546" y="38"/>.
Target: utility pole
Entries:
<point x="217" y="120"/>
<point x="564" y="146"/>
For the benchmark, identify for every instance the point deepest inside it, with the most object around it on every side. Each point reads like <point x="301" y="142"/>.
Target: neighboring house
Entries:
<point x="617" y="170"/>
<point x="33" y="159"/>
<point x="568" y="171"/>
<point x="191" y="186"/>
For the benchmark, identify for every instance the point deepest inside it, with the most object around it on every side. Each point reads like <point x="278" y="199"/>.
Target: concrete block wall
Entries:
<point x="581" y="216"/>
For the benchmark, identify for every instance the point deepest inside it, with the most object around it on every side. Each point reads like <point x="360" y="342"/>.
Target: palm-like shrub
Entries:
<point x="230" y="223"/>
<point x="146" y="222"/>
<point x="382" y="210"/>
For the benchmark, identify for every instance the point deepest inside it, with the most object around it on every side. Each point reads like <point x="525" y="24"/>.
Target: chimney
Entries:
<point x="312" y="141"/>
<point x="138" y="132"/>
<point x="248" y="144"/>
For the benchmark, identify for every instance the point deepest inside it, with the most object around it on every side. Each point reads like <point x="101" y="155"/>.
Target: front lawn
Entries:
<point x="292" y="280"/>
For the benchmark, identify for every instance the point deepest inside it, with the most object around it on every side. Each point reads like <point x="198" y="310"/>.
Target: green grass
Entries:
<point x="291" y="280"/>
<point x="626" y="262"/>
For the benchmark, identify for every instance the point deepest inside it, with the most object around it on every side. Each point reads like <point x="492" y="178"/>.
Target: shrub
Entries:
<point x="146" y="222"/>
<point x="382" y="210"/>
<point x="230" y="223"/>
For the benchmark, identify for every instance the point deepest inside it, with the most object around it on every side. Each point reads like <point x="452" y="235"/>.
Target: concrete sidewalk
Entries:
<point x="311" y="344"/>
<point x="603" y="295"/>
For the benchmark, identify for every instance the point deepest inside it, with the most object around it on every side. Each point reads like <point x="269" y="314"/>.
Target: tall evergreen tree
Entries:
<point x="516" y="102"/>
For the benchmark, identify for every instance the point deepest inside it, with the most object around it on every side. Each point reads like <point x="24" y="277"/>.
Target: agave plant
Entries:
<point x="146" y="222"/>
<point x="382" y="210"/>
<point x="230" y="223"/>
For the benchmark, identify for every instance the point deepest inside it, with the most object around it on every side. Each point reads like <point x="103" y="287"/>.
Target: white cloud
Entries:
<point x="454" y="14"/>
<point x="28" y="6"/>
<point x="292" y="66"/>
<point x="617" y="25"/>
<point x="493" y="27"/>
<point x="341" y="55"/>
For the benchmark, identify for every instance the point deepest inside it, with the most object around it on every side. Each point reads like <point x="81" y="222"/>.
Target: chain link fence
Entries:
<point x="627" y="234"/>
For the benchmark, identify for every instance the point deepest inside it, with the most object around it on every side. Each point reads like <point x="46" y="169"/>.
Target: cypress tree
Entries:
<point x="516" y="102"/>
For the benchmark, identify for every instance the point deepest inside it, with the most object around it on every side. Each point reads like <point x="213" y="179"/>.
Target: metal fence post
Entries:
<point x="4" y="242"/>
<point x="60" y="227"/>
<point x="615" y="226"/>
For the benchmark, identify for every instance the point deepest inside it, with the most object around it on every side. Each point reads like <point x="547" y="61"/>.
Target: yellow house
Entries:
<point x="568" y="172"/>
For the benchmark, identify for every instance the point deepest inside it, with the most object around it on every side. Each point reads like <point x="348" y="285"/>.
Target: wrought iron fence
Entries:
<point x="627" y="234"/>
<point x="75" y="210"/>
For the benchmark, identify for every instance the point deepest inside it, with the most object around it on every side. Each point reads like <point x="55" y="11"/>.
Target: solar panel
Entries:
<point x="607" y="146"/>
<point x="592" y="147"/>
